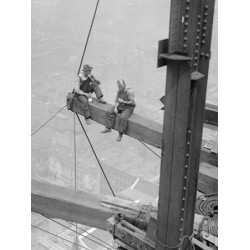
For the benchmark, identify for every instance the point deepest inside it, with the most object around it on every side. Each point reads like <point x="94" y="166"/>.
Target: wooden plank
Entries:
<point x="139" y="127"/>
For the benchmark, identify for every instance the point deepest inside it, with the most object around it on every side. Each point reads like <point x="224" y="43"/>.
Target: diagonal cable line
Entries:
<point x="92" y="235"/>
<point x="149" y="148"/>
<point x="48" y="120"/>
<point x="95" y="155"/>
<point x="81" y="229"/>
<point x="59" y="237"/>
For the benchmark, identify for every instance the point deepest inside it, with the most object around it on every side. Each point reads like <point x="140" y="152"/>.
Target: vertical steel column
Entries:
<point x="188" y="52"/>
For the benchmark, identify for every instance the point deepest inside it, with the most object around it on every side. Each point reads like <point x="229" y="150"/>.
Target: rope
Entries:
<point x="74" y="232"/>
<point x="149" y="148"/>
<point x="88" y="36"/>
<point x="96" y="156"/>
<point x="59" y="237"/>
<point x="179" y="244"/>
<point x="48" y="120"/>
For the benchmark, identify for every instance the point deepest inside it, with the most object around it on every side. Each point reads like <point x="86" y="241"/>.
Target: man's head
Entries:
<point x="121" y="85"/>
<point x="86" y="69"/>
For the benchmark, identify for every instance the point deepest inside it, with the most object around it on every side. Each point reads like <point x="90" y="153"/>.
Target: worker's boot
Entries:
<point x="87" y="120"/>
<point x="119" y="138"/>
<point x="106" y="130"/>
<point x="101" y="100"/>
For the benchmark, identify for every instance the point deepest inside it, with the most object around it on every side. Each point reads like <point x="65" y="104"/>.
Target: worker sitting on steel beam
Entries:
<point x="124" y="105"/>
<point x="86" y="84"/>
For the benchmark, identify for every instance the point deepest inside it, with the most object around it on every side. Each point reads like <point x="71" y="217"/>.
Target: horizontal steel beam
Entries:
<point x="139" y="128"/>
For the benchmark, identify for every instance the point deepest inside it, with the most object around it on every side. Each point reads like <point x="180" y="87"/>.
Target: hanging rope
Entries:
<point x="95" y="155"/>
<point x="82" y="235"/>
<point x="85" y="47"/>
<point x="48" y="120"/>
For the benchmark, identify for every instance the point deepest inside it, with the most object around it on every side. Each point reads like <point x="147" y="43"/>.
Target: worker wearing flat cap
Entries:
<point x="86" y="84"/>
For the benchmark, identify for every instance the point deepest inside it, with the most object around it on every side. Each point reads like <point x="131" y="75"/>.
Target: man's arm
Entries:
<point x="131" y="98"/>
<point x="77" y="88"/>
<point x="94" y="79"/>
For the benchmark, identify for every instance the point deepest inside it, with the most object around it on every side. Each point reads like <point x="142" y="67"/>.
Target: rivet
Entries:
<point x="199" y="16"/>
<point x="195" y="65"/>
<point x="181" y="230"/>
<point x="198" y="30"/>
<point x="187" y="1"/>
<point x="189" y="131"/>
<point x="180" y="239"/>
<point x="204" y="28"/>
<point x="197" y="37"/>
<point x="186" y="23"/>
<point x="206" y="6"/>
<point x="203" y="41"/>
<point x="184" y="46"/>
<point x="199" y="23"/>
<point x="202" y="54"/>
<point x="185" y="31"/>
<point x="185" y="177"/>
<point x="195" y="58"/>
<point x="196" y="51"/>
<point x="184" y="188"/>
<point x="182" y="209"/>
<point x="183" y="199"/>
<point x="187" y="16"/>
<point x="187" y="8"/>
<point x="197" y="44"/>
<point x="186" y="166"/>
<point x="207" y="55"/>
<point x="181" y="219"/>
<point x="204" y="35"/>
<point x="185" y="38"/>
<point x="189" y="141"/>
<point x="187" y="154"/>
<point x="205" y="14"/>
<point x="205" y="21"/>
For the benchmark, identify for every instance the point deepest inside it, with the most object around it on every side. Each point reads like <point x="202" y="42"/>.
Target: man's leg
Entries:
<point x="94" y="87"/>
<point x="125" y="114"/>
<point x="110" y="120"/>
<point x="85" y="105"/>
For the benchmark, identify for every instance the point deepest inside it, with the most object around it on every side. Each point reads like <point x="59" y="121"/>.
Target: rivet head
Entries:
<point x="187" y="16"/>
<point x="203" y="41"/>
<point x="184" y="46"/>
<point x="197" y="37"/>
<point x="206" y="6"/>
<point x="182" y="209"/>
<point x="196" y="51"/>
<point x="199" y="16"/>
<point x="199" y="23"/>
<point x="207" y="55"/>
<point x="186" y="23"/>
<point x="195" y="65"/>
<point x="204" y="28"/>
<point x="205" y="21"/>
<point x="181" y="219"/>
<point x="198" y="30"/>
<point x="185" y="31"/>
<point x="205" y="14"/>
<point x="189" y="131"/>
<point x="187" y="154"/>
<point x="184" y="188"/>
<point x="187" y="1"/>
<point x="180" y="239"/>
<point x="181" y="230"/>
<point x="197" y="44"/>
<point x="202" y="54"/>
<point x="187" y="8"/>
<point x="204" y="35"/>
<point x="195" y="58"/>
<point x="185" y="38"/>
<point x="186" y="166"/>
<point x="185" y="177"/>
<point x="188" y="141"/>
<point x="183" y="199"/>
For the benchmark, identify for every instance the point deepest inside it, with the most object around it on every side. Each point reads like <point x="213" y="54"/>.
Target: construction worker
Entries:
<point x="86" y="84"/>
<point x="124" y="106"/>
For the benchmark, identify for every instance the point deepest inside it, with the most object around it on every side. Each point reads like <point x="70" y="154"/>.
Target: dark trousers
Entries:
<point x="124" y="113"/>
<point x="85" y="105"/>
<point x="93" y="87"/>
